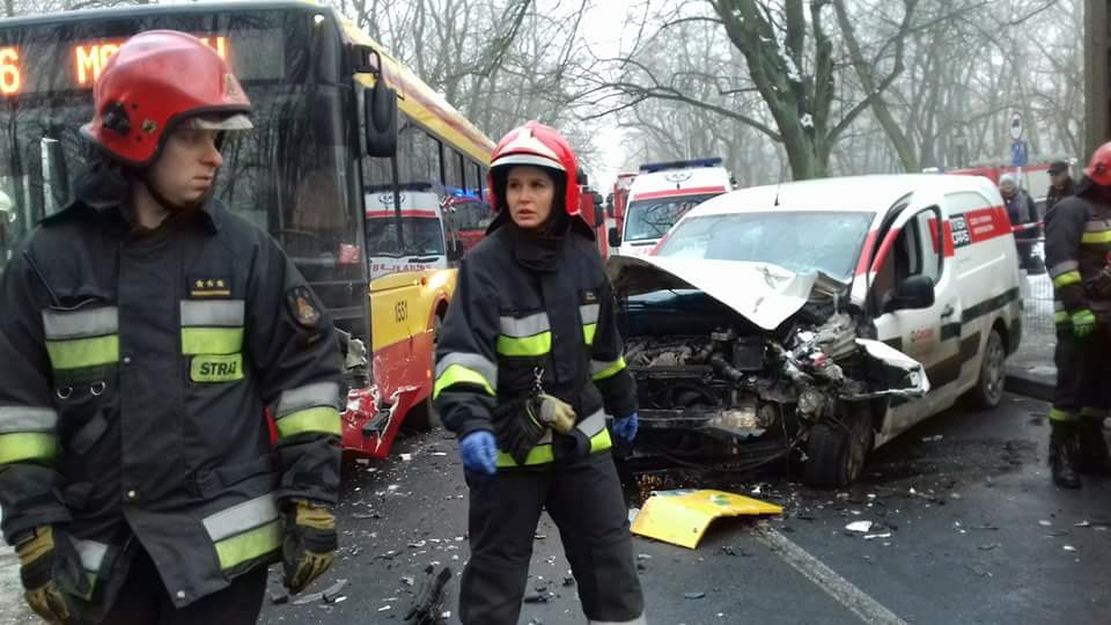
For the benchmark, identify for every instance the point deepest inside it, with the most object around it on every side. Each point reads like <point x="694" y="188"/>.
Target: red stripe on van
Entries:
<point x="865" y="251"/>
<point x="651" y="195"/>
<point x="375" y="214"/>
<point x="987" y="223"/>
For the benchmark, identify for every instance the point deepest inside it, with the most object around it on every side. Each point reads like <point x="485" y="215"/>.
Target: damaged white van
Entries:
<point x="819" y="319"/>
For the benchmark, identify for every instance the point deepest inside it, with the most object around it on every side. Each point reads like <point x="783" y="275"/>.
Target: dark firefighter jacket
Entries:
<point x="136" y="370"/>
<point x="1077" y="242"/>
<point x="520" y="305"/>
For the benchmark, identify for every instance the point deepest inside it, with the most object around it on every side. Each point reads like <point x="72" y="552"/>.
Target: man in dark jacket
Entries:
<point x="1077" y="251"/>
<point x="144" y="331"/>
<point x="1024" y="219"/>
<point x="1061" y="184"/>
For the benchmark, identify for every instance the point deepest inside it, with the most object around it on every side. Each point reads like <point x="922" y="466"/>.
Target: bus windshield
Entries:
<point x="291" y="175"/>
<point x="419" y="236"/>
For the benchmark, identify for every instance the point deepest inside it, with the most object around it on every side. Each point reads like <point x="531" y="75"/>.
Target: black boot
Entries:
<point x="1063" y="454"/>
<point x="1093" y="458"/>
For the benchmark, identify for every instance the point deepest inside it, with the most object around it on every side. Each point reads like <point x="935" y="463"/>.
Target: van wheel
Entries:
<point x="836" y="453"/>
<point x="989" y="388"/>
<point x="423" y="417"/>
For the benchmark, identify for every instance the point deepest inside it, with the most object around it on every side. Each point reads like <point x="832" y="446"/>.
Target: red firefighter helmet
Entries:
<point x="540" y="146"/>
<point x="1099" y="166"/>
<point x="157" y="80"/>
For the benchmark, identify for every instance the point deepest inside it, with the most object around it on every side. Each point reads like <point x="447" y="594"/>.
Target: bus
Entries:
<point x="339" y="125"/>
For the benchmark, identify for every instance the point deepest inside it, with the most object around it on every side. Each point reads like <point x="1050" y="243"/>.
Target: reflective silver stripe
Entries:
<point x="308" y="396"/>
<point x="1063" y="267"/>
<point x="640" y="620"/>
<point x="589" y="312"/>
<point x="27" y="419"/>
<point x="241" y="517"/>
<point x="593" y="424"/>
<point x="223" y="313"/>
<point x="474" y="362"/>
<point x="598" y="366"/>
<point x="525" y="326"/>
<point x="80" y="323"/>
<point x="91" y="553"/>
<point x="1097" y="225"/>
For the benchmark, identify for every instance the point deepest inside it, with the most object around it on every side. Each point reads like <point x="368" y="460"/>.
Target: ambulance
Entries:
<point x="660" y="194"/>
<point x="407" y="235"/>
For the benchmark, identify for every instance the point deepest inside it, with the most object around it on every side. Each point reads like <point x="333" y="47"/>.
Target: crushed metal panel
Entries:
<point x="763" y="293"/>
<point x="903" y="375"/>
<point x="681" y="517"/>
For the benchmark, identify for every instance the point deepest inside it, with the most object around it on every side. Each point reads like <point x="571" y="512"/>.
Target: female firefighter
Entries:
<point x="528" y="370"/>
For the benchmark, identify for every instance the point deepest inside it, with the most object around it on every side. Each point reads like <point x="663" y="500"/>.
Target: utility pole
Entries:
<point x="1097" y="71"/>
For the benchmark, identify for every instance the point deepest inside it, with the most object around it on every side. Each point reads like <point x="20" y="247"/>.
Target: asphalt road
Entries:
<point x="967" y="529"/>
<point x="977" y="534"/>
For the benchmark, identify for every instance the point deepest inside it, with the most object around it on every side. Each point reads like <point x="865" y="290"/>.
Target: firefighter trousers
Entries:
<point x="143" y="600"/>
<point x="1083" y="367"/>
<point x="584" y="499"/>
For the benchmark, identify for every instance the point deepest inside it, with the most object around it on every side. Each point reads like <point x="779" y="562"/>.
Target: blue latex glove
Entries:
<point x="626" y="428"/>
<point x="479" y="452"/>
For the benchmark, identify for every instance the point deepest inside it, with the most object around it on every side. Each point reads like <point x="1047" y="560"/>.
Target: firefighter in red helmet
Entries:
<point x="1078" y="255"/>
<point x="530" y="376"/>
<point x="145" y="331"/>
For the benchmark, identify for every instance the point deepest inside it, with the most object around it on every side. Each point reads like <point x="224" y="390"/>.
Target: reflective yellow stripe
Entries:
<point x="611" y="370"/>
<point x="1067" y="278"/>
<point x="249" y="545"/>
<point x="588" y="332"/>
<point x="537" y="345"/>
<point x="211" y="340"/>
<point x="320" y="419"/>
<point x="458" y="374"/>
<point x="77" y="353"/>
<point x="22" y="446"/>
<point x="1060" y="317"/>
<point x="1096" y="237"/>
<point x="1056" y="414"/>
<point x="542" y="454"/>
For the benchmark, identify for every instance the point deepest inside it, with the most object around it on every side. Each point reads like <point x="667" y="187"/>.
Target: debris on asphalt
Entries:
<point x="862" y="527"/>
<point x="694" y="595"/>
<point x="874" y="536"/>
<point x="538" y="597"/>
<point x="989" y="547"/>
<point x="539" y="536"/>
<point x="309" y="598"/>
<point x="406" y="457"/>
<point x="1069" y="548"/>
<point x="568" y="581"/>
<point x="933" y="439"/>
<point x="643" y="556"/>
<point x="428" y="606"/>
<point x="408" y="580"/>
<point x="332" y="592"/>
<point x="984" y="526"/>
<point x="278" y="597"/>
<point x="1045" y="523"/>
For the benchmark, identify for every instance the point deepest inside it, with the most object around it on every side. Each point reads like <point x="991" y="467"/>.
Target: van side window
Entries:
<point x="917" y="251"/>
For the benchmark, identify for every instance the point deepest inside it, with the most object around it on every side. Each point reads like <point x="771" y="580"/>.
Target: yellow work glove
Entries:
<point x="309" y="545"/>
<point x="552" y="412"/>
<point x="36" y="569"/>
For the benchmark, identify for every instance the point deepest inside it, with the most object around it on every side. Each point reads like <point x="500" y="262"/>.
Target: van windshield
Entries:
<point x="648" y="220"/>
<point x="802" y="242"/>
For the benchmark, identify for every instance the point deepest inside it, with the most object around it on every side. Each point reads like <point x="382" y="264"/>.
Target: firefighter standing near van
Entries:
<point x="1078" y="254"/>
<point x="144" y="330"/>
<point x="528" y="368"/>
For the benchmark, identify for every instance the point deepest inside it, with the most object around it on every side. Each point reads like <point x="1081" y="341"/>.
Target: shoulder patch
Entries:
<point x="302" y="306"/>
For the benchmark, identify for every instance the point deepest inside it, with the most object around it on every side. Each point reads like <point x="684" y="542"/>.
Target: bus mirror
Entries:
<point x="614" y="238"/>
<point x="455" y="250"/>
<point x="597" y="197"/>
<point x="380" y="111"/>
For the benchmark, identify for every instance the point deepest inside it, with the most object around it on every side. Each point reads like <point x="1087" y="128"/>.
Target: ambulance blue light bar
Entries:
<point x="697" y="162"/>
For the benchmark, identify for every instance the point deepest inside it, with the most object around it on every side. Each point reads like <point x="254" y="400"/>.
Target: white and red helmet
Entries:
<point x="1099" y="166"/>
<point x="539" y="146"/>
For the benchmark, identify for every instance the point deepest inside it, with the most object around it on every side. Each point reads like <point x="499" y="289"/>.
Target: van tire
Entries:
<point x="836" y="453"/>
<point x="423" y="417"/>
<point x="988" y="392"/>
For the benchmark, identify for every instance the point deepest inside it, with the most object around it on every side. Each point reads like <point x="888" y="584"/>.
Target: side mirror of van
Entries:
<point x="614" y="238"/>
<point x="915" y="292"/>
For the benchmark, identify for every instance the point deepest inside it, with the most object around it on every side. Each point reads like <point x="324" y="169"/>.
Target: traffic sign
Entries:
<point x="1016" y="125"/>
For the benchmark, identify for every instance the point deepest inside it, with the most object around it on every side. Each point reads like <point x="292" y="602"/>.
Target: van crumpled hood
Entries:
<point x="763" y="293"/>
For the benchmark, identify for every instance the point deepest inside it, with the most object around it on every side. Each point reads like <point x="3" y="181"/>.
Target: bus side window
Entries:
<point x="454" y="168"/>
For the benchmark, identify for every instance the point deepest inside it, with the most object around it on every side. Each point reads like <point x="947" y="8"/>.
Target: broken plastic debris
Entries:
<point x="694" y="595"/>
<point x="1069" y="548"/>
<point x="1045" y="523"/>
<point x="859" y="526"/>
<point x="873" y="536"/>
<point x="385" y="608"/>
<point x="406" y="457"/>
